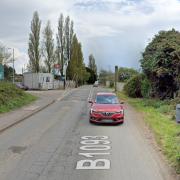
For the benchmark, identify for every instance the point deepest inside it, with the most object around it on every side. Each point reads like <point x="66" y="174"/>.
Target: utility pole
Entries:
<point x="116" y="78"/>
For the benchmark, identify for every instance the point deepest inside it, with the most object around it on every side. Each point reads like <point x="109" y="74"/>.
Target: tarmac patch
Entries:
<point x="17" y="149"/>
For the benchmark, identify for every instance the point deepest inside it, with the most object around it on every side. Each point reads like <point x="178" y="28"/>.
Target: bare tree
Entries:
<point x="5" y="56"/>
<point x="60" y="42"/>
<point x="48" y="47"/>
<point x="92" y="63"/>
<point x="34" y="38"/>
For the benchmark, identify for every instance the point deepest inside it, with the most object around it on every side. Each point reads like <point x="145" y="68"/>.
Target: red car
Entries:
<point x="106" y="109"/>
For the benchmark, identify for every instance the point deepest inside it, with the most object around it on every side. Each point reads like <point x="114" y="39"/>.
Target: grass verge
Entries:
<point x="12" y="97"/>
<point x="157" y="114"/>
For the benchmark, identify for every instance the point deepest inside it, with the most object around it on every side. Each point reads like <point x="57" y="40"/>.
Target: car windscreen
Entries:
<point x="106" y="99"/>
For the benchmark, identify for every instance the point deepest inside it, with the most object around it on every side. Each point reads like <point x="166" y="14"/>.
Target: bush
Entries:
<point x="145" y="87"/>
<point x="161" y="63"/>
<point x="111" y="85"/>
<point x="138" y="86"/>
<point x="133" y="87"/>
<point x="12" y="97"/>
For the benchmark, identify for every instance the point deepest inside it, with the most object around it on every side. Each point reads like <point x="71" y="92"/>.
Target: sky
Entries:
<point x="116" y="32"/>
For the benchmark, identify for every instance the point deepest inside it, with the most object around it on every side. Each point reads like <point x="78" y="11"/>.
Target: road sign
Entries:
<point x="56" y="70"/>
<point x="1" y="72"/>
<point x="57" y="66"/>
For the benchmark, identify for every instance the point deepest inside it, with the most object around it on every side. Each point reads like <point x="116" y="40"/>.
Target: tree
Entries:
<point x="67" y="38"/>
<point x="125" y="74"/>
<point x="105" y="75"/>
<point x="71" y="39"/>
<point x="60" y="42"/>
<point x="8" y="72"/>
<point x="69" y="46"/>
<point x="161" y="63"/>
<point x="64" y="42"/>
<point x="34" y="38"/>
<point x="92" y="76"/>
<point x="48" y="47"/>
<point x="77" y="71"/>
<point x="92" y="63"/>
<point x="4" y="55"/>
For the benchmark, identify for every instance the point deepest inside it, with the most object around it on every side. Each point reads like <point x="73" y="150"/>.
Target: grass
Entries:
<point x="159" y="115"/>
<point x="12" y="98"/>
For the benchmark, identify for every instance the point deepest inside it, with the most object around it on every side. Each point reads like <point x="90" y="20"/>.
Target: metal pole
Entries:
<point x="13" y="65"/>
<point x="116" y="77"/>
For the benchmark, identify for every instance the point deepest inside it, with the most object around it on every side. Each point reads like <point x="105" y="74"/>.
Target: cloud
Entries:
<point x="115" y="31"/>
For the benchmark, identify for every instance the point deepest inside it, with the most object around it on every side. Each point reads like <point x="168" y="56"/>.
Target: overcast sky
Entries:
<point x="115" y="31"/>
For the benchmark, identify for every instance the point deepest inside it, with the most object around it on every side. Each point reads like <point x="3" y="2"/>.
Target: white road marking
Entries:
<point x="89" y="155"/>
<point x="94" y="137"/>
<point x="93" y="164"/>
<point x="95" y="148"/>
<point x="91" y="144"/>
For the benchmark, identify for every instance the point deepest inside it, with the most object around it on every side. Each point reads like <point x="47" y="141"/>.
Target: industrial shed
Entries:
<point x="38" y="80"/>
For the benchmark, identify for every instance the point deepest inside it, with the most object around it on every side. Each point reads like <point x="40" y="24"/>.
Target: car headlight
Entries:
<point x="92" y="111"/>
<point x="120" y="112"/>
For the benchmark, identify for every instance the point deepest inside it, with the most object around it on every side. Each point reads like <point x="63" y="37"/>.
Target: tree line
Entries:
<point x="66" y="50"/>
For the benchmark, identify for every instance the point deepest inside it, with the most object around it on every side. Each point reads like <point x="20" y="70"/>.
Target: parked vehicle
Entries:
<point x="96" y="84"/>
<point x="106" y="109"/>
<point x="21" y="86"/>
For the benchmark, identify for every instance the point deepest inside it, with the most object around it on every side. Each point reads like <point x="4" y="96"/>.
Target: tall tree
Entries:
<point x="48" y="47"/>
<point x="34" y="39"/>
<point x="69" y="47"/>
<point x="67" y="38"/>
<point x="76" y="66"/>
<point x="60" y="42"/>
<point x="92" y="63"/>
<point x="161" y="63"/>
<point x="71" y="38"/>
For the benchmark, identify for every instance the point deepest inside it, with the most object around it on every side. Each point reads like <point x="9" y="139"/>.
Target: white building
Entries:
<point x="38" y="80"/>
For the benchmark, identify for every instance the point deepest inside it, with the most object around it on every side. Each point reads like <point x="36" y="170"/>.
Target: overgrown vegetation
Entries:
<point x="12" y="97"/>
<point x="138" y="86"/>
<point x="159" y="115"/>
<point x="124" y="74"/>
<point x="161" y="64"/>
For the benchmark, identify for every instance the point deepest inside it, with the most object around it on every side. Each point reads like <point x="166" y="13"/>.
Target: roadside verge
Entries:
<point x="166" y="131"/>
<point x="44" y="100"/>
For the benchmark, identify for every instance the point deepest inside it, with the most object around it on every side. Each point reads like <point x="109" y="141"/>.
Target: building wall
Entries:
<point x="44" y="81"/>
<point x="120" y="86"/>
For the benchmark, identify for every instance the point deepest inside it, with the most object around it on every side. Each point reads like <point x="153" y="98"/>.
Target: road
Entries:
<point x="58" y="143"/>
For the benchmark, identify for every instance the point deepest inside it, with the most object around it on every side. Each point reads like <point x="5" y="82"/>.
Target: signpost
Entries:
<point x="1" y="72"/>
<point x="56" y="70"/>
<point x="116" y="77"/>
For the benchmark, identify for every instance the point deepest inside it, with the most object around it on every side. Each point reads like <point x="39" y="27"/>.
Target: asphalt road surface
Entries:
<point x="59" y="143"/>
